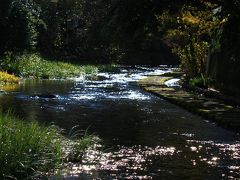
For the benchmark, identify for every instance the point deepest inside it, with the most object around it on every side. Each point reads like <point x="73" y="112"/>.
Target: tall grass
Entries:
<point x="28" y="149"/>
<point x="34" y="66"/>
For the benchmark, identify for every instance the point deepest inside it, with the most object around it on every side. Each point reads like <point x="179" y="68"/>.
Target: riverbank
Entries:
<point x="30" y="150"/>
<point x="217" y="110"/>
<point x="35" y="66"/>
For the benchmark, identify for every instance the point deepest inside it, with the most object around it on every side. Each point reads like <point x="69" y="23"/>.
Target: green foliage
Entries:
<point x="200" y="81"/>
<point x="80" y="142"/>
<point x="27" y="148"/>
<point x="89" y="69"/>
<point x="60" y="28"/>
<point x="34" y="66"/>
<point x="8" y="62"/>
<point x="215" y="45"/>
<point x="192" y="35"/>
<point x="19" y="25"/>
<point x="114" y="30"/>
<point x="80" y="146"/>
<point x="108" y="68"/>
<point x="72" y="27"/>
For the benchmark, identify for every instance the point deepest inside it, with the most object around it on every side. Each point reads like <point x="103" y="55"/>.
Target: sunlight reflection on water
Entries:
<point x="125" y="162"/>
<point x="145" y="137"/>
<point x="134" y="162"/>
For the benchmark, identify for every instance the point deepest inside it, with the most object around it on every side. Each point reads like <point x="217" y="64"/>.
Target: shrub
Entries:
<point x="8" y="78"/>
<point x="200" y="81"/>
<point x="191" y="37"/>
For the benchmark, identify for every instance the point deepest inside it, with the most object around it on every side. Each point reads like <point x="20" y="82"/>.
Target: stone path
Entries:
<point x="214" y="109"/>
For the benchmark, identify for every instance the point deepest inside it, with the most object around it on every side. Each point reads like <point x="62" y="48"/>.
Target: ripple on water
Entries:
<point x="122" y="162"/>
<point x="132" y="95"/>
<point x="222" y="155"/>
<point x="83" y="101"/>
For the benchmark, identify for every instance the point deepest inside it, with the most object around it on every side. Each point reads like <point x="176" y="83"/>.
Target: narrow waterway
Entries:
<point x="144" y="137"/>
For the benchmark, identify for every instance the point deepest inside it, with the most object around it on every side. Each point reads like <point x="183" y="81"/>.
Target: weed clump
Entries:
<point x="28" y="149"/>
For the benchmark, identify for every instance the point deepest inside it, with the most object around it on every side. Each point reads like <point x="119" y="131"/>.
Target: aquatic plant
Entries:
<point x="78" y="147"/>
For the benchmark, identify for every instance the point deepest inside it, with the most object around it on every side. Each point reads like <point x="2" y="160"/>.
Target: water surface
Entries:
<point x="144" y="136"/>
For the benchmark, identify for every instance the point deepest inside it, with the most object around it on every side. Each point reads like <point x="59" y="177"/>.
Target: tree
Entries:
<point x="19" y="24"/>
<point x="192" y="37"/>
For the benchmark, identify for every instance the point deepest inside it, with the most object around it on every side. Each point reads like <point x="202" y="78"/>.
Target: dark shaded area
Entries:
<point x="225" y="61"/>
<point x="87" y="31"/>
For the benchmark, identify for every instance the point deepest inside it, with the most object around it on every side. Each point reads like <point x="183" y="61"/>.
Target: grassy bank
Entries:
<point x="28" y="149"/>
<point x="34" y="66"/>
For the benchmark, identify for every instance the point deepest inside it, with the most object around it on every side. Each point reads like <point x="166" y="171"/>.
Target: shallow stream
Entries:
<point x="144" y="136"/>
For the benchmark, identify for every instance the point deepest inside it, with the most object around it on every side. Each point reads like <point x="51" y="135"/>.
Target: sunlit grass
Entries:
<point x="28" y="149"/>
<point x="34" y="66"/>
<point x="8" y="78"/>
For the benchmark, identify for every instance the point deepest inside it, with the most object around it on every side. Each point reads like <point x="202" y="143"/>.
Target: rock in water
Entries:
<point x="47" y="96"/>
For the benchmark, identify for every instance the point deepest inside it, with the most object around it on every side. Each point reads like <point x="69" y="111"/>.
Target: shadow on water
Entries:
<point x="144" y="136"/>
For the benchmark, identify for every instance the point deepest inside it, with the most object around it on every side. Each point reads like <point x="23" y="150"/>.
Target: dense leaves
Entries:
<point x="19" y="22"/>
<point x="57" y="28"/>
<point x="134" y="31"/>
<point x="95" y="30"/>
<point x="193" y="36"/>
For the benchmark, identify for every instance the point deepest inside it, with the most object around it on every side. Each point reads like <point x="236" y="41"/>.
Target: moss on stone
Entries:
<point x="210" y="108"/>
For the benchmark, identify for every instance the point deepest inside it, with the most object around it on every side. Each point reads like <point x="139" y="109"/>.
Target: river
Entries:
<point x="144" y="137"/>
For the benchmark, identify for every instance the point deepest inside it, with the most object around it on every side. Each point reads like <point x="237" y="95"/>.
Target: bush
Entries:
<point x="191" y="37"/>
<point x="6" y="78"/>
<point x="200" y="81"/>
